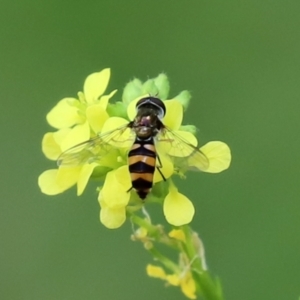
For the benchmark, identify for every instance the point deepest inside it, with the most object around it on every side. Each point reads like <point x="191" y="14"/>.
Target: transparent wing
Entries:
<point x="181" y="148"/>
<point x="95" y="149"/>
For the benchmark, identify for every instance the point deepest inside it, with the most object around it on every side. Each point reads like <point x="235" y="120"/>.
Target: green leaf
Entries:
<point x="132" y="90"/>
<point x="150" y="88"/>
<point x="163" y="86"/>
<point x="184" y="98"/>
<point x="117" y="109"/>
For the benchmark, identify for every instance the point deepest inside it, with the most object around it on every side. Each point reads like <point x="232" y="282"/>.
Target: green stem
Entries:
<point x="164" y="260"/>
<point x="208" y="287"/>
<point x="152" y="230"/>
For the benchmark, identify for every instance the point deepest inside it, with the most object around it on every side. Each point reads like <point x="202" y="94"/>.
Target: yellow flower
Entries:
<point x="180" y="273"/>
<point x="182" y="278"/>
<point x="77" y="120"/>
<point x="177" y="234"/>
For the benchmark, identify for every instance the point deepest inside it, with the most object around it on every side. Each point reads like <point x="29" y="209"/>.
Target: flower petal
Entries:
<point x="56" y="181"/>
<point x="174" y="114"/>
<point x="51" y="143"/>
<point x="64" y="114"/>
<point x="167" y="168"/>
<point x="177" y="144"/>
<point x="131" y="108"/>
<point x="77" y="135"/>
<point x="49" y="146"/>
<point x="122" y="140"/>
<point x="47" y="183"/>
<point x="95" y="85"/>
<point x="68" y="176"/>
<point x="111" y="217"/>
<point x="96" y="116"/>
<point x="173" y="279"/>
<point x="123" y="177"/>
<point x="178" y="209"/>
<point x="113" y="193"/>
<point x="113" y="123"/>
<point x="104" y="99"/>
<point x="84" y="177"/>
<point x="141" y="233"/>
<point x="177" y="234"/>
<point x="61" y="134"/>
<point x="188" y="286"/>
<point x="219" y="156"/>
<point x="156" y="272"/>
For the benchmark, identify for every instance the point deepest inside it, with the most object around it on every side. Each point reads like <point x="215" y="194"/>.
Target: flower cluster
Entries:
<point x="91" y="115"/>
<point x="191" y="259"/>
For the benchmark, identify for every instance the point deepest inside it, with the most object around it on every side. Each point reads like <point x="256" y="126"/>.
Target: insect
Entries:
<point x="146" y="131"/>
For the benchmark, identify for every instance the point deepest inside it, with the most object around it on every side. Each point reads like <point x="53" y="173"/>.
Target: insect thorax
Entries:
<point x="146" y="124"/>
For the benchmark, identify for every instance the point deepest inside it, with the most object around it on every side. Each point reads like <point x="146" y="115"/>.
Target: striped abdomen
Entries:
<point x="142" y="162"/>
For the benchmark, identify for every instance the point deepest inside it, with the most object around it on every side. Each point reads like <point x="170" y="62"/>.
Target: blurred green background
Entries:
<point x="240" y="60"/>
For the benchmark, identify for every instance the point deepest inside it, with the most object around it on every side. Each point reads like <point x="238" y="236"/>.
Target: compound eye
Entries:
<point x="152" y="101"/>
<point x="161" y="113"/>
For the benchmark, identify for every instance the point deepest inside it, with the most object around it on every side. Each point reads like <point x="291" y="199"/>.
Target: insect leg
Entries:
<point x="159" y="167"/>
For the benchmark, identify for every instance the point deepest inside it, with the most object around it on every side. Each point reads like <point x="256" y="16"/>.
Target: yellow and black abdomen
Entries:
<point x="142" y="162"/>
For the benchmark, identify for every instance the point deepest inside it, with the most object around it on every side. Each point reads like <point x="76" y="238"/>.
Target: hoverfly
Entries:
<point x="146" y="132"/>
